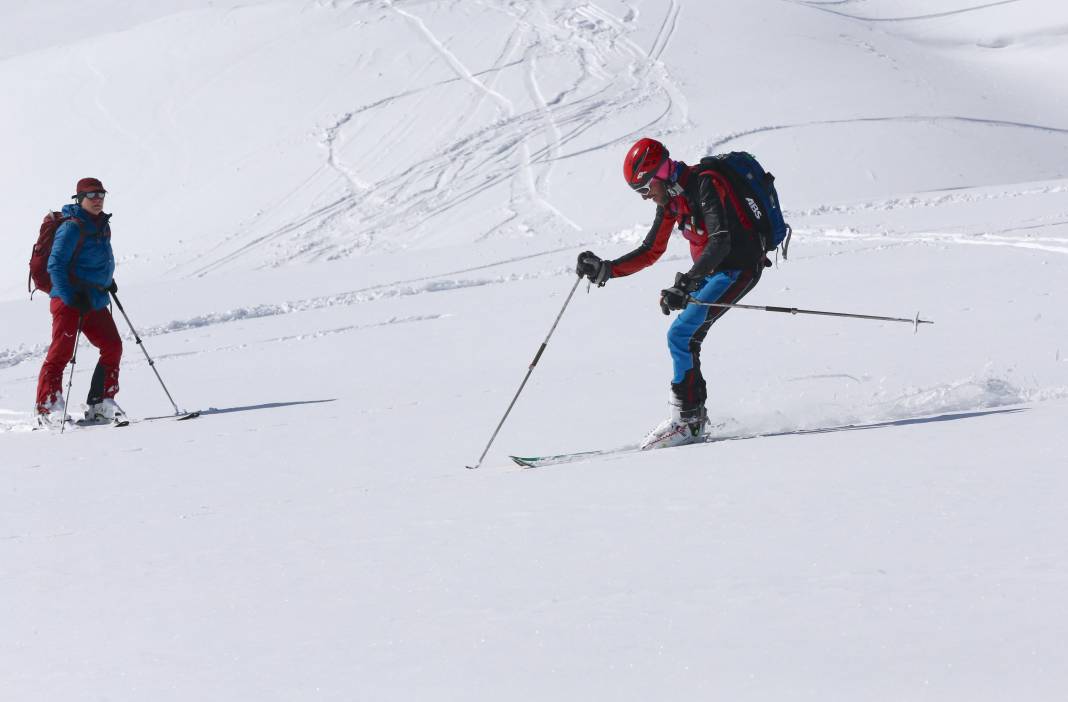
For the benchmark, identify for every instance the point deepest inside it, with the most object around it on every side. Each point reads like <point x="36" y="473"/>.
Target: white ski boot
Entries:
<point x="677" y="430"/>
<point x="107" y="410"/>
<point x="50" y="414"/>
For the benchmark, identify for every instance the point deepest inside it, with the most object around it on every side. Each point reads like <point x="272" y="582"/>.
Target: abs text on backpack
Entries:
<point x="757" y="188"/>
<point x="39" y="276"/>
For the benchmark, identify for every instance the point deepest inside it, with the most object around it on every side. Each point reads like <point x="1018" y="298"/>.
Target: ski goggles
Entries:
<point x="95" y="195"/>
<point x="642" y="189"/>
<point x="662" y="173"/>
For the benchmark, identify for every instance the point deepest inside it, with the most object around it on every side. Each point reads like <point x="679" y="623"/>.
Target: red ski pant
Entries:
<point x="98" y="327"/>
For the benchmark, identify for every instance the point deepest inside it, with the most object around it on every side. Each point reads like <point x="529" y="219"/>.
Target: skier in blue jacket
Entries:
<point x="82" y="269"/>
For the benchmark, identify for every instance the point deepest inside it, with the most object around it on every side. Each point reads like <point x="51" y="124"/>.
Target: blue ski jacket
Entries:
<point x="88" y="266"/>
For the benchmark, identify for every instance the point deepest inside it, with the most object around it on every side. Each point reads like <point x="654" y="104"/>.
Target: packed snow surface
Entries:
<point x="343" y="229"/>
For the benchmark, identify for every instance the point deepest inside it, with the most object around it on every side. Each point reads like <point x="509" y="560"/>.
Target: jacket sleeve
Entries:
<point x="649" y="251"/>
<point x="59" y="261"/>
<point x="719" y="238"/>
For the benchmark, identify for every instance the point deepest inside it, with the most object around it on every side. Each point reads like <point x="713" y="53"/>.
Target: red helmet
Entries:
<point x="642" y="161"/>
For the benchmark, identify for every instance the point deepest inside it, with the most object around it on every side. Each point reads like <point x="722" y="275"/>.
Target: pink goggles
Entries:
<point x="662" y="173"/>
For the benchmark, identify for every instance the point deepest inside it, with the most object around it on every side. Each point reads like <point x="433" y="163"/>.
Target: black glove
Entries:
<point x="81" y="302"/>
<point x="591" y="266"/>
<point x="676" y="297"/>
<point x="114" y="287"/>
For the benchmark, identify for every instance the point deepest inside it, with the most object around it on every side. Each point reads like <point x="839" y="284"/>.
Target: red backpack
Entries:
<point x="43" y="249"/>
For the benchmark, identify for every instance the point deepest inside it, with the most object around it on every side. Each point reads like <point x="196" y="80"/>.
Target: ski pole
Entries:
<point x="73" y="360"/>
<point x="151" y="363"/>
<point x="530" y="369"/>
<point x="915" y="321"/>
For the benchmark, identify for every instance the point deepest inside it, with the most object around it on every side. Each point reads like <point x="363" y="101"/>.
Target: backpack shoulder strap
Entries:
<point x="728" y="194"/>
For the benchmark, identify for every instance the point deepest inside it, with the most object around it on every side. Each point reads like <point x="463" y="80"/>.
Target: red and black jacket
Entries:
<point x="713" y="219"/>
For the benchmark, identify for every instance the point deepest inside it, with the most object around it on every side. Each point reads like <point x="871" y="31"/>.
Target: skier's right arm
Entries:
<point x="650" y="250"/>
<point x="59" y="261"/>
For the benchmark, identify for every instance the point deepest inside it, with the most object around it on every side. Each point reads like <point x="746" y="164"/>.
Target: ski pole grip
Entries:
<point x="537" y="356"/>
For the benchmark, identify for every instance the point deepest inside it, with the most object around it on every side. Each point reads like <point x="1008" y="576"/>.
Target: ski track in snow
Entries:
<point x="356" y="297"/>
<point x="667" y="29"/>
<point x="717" y="145"/>
<point x="1058" y="245"/>
<point x="518" y="149"/>
<point x="1025" y="234"/>
<point x="318" y="334"/>
<point x="914" y="201"/>
<point x="973" y="394"/>
<point x="934" y="15"/>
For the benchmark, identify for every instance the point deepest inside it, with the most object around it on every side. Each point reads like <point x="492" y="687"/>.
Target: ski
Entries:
<point x="83" y="424"/>
<point x="558" y="459"/>
<point x="539" y="461"/>
<point x="86" y="423"/>
<point x="101" y="423"/>
<point x="180" y="417"/>
<point x="562" y="458"/>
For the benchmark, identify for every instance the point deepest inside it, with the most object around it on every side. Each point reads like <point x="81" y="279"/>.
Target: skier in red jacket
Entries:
<point x="728" y="258"/>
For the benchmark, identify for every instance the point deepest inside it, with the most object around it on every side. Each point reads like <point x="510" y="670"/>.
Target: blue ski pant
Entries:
<point x="688" y="331"/>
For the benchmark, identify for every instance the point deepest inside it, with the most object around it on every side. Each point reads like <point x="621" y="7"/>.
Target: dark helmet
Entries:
<point x="642" y="160"/>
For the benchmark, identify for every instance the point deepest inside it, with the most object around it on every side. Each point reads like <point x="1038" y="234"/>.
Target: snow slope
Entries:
<point x="344" y="228"/>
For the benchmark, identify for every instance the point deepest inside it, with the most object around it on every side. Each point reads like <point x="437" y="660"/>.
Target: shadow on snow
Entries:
<point x="264" y="406"/>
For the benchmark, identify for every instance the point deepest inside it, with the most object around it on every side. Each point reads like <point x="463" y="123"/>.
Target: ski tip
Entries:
<point x="189" y="415"/>
<point x="524" y="462"/>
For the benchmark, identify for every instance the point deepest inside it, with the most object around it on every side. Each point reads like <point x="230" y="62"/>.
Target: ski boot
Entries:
<point x="104" y="412"/>
<point x="682" y="427"/>
<point x="50" y="414"/>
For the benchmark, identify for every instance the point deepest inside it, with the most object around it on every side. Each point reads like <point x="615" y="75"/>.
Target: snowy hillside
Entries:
<point x="343" y="229"/>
